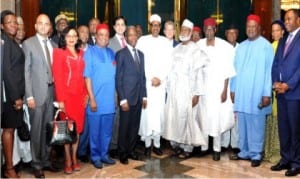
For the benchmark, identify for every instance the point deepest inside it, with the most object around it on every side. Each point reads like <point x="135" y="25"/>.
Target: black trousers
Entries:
<point x="129" y="128"/>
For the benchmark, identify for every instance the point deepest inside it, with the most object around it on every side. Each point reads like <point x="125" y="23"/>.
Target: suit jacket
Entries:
<point x="36" y="70"/>
<point x="114" y="44"/>
<point x="130" y="81"/>
<point x="13" y="70"/>
<point x="90" y="40"/>
<point x="288" y="67"/>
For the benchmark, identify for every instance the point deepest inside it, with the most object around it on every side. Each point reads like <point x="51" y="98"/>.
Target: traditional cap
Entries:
<point x="20" y="20"/>
<point x="197" y="29"/>
<point x="209" y="22"/>
<point x="59" y="17"/>
<point x="187" y="23"/>
<point x="102" y="26"/>
<point x="155" y="17"/>
<point x="254" y="17"/>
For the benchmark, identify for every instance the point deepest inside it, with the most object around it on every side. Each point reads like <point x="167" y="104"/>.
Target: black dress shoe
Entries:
<point x="113" y="153"/>
<point x="84" y="158"/>
<point x="216" y="156"/>
<point x="157" y="151"/>
<point x="124" y="159"/>
<point x="147" y="151"/>
<point x="38" y="174"/>
<point x="279" y="167"/>
<point x="133" y="156"/>
<point x="292" y="172"/>
<point x="255" y="163"/>
<point x="177" y="151"/>
<point x="52" y="168"/>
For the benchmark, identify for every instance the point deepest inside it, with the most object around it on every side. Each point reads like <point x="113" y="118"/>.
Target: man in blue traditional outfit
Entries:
<point x="99" y="73"/>
<point x="251" y="90"/>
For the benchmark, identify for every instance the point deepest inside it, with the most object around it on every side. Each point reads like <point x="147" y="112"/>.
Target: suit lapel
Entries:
<point x="293" y="43"/>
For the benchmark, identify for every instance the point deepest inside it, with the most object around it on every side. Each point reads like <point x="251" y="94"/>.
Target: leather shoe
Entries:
<point x="279" y="167"/>
<point x="52" y="168"/>
<point x="292" y="172"/>
<point x="157" y="151"/>
<point x="38" y="173"/>
<point x="84" y="158"/>
<point x="133" y="156"/>
<point x="147" y="151"/>
<point x="124" y="159"/>
<point x="108" y="160"/>
<point x="97" y="164"/>
<point x="216" y="156"/>
<point x="113" y="153"/>
<point x="255" y="163"/>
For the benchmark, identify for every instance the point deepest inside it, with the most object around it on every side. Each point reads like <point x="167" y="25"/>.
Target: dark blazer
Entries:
<point x="288" y="66"/>
<point x="13" y="69"/>
<point x="130" y="81"/>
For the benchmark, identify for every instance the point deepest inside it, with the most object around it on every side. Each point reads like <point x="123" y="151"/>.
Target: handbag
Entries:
<point x="23" y="131"/>
<point x="61" y="132"/>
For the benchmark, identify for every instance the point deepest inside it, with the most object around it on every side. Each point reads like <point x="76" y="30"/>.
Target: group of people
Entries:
<point x="152" y="86"/>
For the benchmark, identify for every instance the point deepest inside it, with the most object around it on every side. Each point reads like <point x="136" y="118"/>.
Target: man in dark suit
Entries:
<point x="131" y="89"/>
<point x="39" y="92"/>
<point x="92" y="28"/>
<point x="286" y="83"/>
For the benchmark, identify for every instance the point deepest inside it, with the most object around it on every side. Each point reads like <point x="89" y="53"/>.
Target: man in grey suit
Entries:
<point x="116" y="43"/>
<point x="39" y="92"/>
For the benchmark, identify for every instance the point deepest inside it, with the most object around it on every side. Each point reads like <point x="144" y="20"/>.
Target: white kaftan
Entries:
<point x="218" y="116"/>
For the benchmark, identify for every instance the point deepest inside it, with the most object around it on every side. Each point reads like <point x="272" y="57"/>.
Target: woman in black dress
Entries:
<point x="12" y="87"/>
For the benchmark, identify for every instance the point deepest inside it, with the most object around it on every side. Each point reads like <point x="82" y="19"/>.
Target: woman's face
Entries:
<point x="277" y="32"/>
<point x="10" y="25"/>
<point x="71" y="38"/>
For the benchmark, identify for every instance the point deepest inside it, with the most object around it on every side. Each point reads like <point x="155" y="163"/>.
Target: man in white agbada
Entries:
<point x="185" y="87"/>
<point x="216" y="106"/>
<point x="157" y="51"/>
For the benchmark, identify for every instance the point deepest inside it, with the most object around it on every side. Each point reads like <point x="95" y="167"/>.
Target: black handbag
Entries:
<point x="23" y="131"/>
<point x="61" y="132"/>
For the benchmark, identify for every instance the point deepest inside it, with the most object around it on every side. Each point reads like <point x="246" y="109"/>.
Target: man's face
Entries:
<point x="210" y="32"/>
<point x="93" y="25"/>
<point x="252" y="29"/>
<point x="291" y="21"/>
<point x="42" y="25"/>
<point x="61" y="25"/>
<point x="185" y="34"/>
<point x="169" y="31"/>
<point x="131" y="36"/>
<point x="102" y="37"/>
<point x="120" y="26"/>
<point x="83" y="32"/>
<point x="195" y="36"/>
<point x="10" y="25"/>
<point x="155" y="28"/>
<point x="231" y="35"/>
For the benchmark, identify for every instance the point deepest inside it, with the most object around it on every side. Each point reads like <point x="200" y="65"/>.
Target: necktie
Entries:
<point x="123" y="42"/>
<point x="287" y="44"/>
<point x="136" y="58"/>
<point x="48" y="58"/>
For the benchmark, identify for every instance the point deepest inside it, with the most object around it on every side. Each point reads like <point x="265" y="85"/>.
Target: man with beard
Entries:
<point x="185" y="85"/>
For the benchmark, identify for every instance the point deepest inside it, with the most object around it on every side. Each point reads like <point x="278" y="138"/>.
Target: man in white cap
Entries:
<point x="185" y="86"/>
<point x="216" y="103"/>
<point x="61" y="22"/>
<point x="157" y="51"/>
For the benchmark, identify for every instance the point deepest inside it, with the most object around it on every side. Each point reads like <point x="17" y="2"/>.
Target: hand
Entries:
<point x="125" y="107"/>
<point x="155" y="81"/>
<point x="281" y="88"/>
<point x="232" y="94"/>
<point x="93" y="105"/>
<point x="31" y="103"/>
<point x="265" y="101"/>
<point x="144" y="104"/>
<point x="61" y="106"/>
<point x="18" y="104"/>
<point x="223" y="96"/>
<point x="195" y="101"/>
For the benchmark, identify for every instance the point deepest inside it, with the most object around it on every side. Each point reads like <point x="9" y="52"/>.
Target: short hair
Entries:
<point x="129" y="27"/>
<point x="62" y="39"/>
<point x="5" y="13"/>
<point x="232" y="26"/>
<point x="169" y="22"/>
<point x="295" y="11"/>
<point x="118" y="18"/>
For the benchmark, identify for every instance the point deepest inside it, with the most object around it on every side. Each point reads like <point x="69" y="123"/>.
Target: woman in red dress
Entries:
<point x="71" y="94"/>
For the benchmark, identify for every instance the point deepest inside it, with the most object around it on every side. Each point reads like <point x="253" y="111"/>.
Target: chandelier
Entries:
<point x="289" y="4"/>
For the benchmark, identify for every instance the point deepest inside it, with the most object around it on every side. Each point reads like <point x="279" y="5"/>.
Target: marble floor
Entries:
<point x="168" y="166"/>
